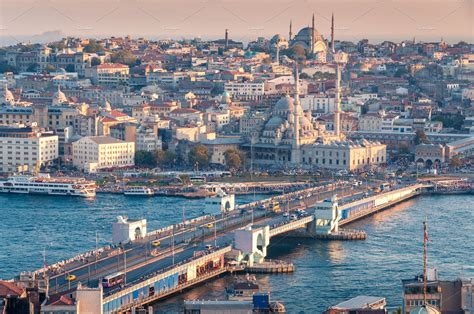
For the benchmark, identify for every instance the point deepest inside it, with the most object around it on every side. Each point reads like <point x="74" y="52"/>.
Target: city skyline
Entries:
<point x="355" y="20"/>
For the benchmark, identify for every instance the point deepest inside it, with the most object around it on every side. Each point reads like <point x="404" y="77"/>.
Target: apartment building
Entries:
<point x="92" y="153"/>
<point x="26" y="149"/>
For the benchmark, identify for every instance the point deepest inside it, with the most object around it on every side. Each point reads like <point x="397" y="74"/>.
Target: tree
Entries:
<point x="165" y="158"/>
<point x="233" y="159"/>
<point x="5" y="67"/>
<point x="421" y="137"/>
<point x="32" y="67"/>
<point x="70" y="68"/>
<point x="124" y="57"/>
<point x="93" y="47"/>
<point x="49" y="68"/>
<point x="199" y="156"/>
<point x="145" y="159"/>
<point x="95" y="61"/>
<point x="455" y="162"/>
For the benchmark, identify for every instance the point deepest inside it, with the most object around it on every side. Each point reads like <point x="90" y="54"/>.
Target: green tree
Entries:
<point x="32" y="67"/>
<point x="233" y="159"/>
<point x="93" y="47"/>
<point x="124" y="57"/>
<point x="95" y="61"/>
<point x="49" y="68"/>
<point x="145" y="159"/>
<point x="199" y="156"/>
<point x="5" y="67"/>
<point x="165" y="158"/>
<point x="70" y="68"/>
<point x="59" y="45"/>
<point x="455" y="162"/>
<point x="420" y="137"/>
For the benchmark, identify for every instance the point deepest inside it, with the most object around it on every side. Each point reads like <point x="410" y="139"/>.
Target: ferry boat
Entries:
<point x="44" y="184"/>
<point x="139" y="191"/>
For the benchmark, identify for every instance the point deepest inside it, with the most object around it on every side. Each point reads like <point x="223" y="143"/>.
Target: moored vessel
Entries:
<point x="45" y="184"/>
<point x="139" y="191"/>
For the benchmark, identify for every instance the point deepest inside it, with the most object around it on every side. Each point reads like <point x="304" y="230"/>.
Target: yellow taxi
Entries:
<point x="156" y="243"/>
<point x="71" y="277"/>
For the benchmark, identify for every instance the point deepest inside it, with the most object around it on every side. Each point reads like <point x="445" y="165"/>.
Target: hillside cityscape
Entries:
<point x="201" y="176"/>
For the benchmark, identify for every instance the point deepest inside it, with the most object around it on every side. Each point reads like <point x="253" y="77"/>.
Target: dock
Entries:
<point x="271" y="267"/>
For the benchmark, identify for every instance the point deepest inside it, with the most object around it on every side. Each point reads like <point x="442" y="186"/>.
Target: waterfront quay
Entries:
<point x="197" y="250"/>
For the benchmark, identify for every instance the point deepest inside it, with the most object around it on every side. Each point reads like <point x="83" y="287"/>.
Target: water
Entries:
<point x="326" y="272"/>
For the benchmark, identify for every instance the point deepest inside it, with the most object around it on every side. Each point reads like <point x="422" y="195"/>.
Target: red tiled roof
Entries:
<point x="111" y="66"/>
<point x="116" y="114"/>
<point x="59" y="300"/>
<point x="8" y="288"/>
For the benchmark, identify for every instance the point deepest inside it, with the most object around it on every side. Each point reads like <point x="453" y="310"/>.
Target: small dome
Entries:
<point x="7" y="97"/>
<point x="59" y="97"/>
<point x="226" y="98"/>
<point x="425" y="309"/>
<point x="277" y="307"/>
<point x="107" y="106"/>
<point x="274" y="123"/>
<point x="277" y="39"/>
<point x="284" y="104"/>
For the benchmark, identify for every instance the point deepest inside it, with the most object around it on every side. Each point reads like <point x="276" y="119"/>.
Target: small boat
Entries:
<point x="139" y="191"/>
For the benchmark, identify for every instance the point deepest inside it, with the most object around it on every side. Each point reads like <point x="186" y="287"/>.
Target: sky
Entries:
<point x="376" y="20"/>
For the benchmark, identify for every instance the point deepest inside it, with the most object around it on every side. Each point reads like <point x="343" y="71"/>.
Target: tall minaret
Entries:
<point x="295" y="150"/>
<point x="337" y="109"/>
<point x="226" y="39"/>
<point x="312" y="35"/>
<point x="277" y="54"/>
<point x="290" y="35"/>
<point x="333" y="49"/>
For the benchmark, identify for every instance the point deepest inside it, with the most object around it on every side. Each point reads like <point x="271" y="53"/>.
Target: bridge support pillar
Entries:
<point x="253" y="243"/>
<point x="326" y="217"/>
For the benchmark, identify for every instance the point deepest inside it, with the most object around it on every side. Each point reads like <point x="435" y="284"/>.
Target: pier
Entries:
<point x="156" y="264"/>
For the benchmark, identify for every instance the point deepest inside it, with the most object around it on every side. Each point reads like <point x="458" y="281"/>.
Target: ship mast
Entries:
<point x="425" y="239"/>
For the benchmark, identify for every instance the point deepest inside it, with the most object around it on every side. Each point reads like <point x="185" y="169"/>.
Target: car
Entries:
<point x="286" y="214"/>
<point x="156" y="243"/>
<point x="209" y="225"/>
<point x="71" y="277"/>
<point x="293" y="217"/>
<point x="209" y="246"/>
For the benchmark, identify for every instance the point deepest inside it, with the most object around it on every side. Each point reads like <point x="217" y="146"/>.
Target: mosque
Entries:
<point x="291" y="137"/>
<point x="311" y="40"/>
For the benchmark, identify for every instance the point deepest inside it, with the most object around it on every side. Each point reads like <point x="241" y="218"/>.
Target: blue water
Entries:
<point x="326" y="272"/>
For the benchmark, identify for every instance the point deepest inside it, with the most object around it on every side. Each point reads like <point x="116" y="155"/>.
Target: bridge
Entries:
<point x="199" y="249"/>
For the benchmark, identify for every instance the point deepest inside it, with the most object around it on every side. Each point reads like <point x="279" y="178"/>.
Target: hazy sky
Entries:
<point x="247" y="19"/>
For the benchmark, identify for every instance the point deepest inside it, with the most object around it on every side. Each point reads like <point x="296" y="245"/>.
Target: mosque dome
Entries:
<point x="274" y="123"/>
<point x="59" y="97"/>
<point x="226" y="98"/>
<point x="284" y="104"/>
<point x="277" y="307"/>
<point x="7" y="97"/>
<point x="425" y="309"/>
<point x="277" y="39"/>
<point x="107" y="106"/>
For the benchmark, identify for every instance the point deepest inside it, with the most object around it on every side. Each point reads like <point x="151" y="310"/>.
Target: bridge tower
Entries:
<point x="326" y="217"/>
<point x="253" y="243"/>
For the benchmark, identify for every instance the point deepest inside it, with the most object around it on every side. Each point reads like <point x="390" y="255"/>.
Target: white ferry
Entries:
<point x="44" y="184"/>
<point x="139" y="191"/>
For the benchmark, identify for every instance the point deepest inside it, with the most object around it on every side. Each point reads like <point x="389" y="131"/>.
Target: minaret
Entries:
<point x="295" y="150"/>
<point x="277" y="54"/>
<point x="226" y="39"/>
<point x="333" y="49"/>
<point x="337" y="110"/>
<point x="312" y="35"/>
<point x="290" y="35"/>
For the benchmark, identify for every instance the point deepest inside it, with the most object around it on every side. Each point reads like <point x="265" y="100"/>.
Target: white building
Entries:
<point x="110" y="74"/>
<point x="92" y="153"/>
<point x="26" y="149"/>
<point x="319" y="103"/>
<point x="247" y="90"/>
